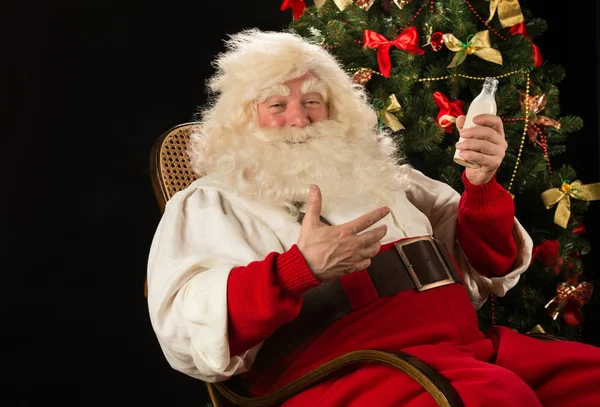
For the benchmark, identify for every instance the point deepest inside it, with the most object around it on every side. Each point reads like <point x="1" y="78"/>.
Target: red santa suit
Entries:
<point x="215" y="298"/>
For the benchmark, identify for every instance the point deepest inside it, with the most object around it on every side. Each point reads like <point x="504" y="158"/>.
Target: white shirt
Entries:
<point x="206" y="231"/>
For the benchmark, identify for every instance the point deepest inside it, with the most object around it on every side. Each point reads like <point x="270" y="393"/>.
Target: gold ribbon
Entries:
<point x="342" y="4"/>
<point x="509" y="12"/>
<point x="386" y="115"/>
<point x="478" y="44"/>
<point x="562" y="195"/>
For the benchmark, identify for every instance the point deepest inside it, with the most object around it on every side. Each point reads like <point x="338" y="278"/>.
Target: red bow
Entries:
<point x="407" y="40"/>
<point x="547" y="253"/>
<point x="519" y="29"/>
<point x="449" y="111"/>
<point x="297" y="7"/>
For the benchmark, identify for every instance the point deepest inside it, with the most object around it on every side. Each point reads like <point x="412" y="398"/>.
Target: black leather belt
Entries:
<point x="419" y="263"/>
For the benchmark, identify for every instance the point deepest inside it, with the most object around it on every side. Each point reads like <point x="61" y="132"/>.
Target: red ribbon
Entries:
<point x="297" y="7"/>
<point x="449" y="111"/>
<point x="547" y="253"/>
<point x="407" y="40"/>
<point x="579" y="229"/>
<point x="519" y="29"/>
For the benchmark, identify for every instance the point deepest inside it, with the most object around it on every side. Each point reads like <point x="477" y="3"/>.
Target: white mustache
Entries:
<point x="293" y="135"/>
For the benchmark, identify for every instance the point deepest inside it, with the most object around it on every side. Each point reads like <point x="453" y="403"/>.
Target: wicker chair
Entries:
<point x="170" y="172"/>
<point x="170" y="169"/>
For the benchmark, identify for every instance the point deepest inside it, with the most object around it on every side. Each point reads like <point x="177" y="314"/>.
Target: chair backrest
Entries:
<point x="170" y="169"/>
<point x="170" y="172"/>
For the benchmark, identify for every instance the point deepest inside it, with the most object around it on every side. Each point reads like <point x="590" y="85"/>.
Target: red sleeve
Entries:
<point x="484" y="228"/>
<point x="264" y="295"/>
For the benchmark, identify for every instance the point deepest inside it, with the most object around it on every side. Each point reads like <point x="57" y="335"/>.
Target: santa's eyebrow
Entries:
<point x="277" y="90"/>
<point x="314" y="85"/>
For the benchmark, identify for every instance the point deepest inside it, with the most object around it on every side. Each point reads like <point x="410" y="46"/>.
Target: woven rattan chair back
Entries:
<point x="170" y="169"/>
<point x="170" y="172"/>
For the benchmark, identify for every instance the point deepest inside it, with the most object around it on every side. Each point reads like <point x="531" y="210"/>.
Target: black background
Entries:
<point x="86" y="88"/>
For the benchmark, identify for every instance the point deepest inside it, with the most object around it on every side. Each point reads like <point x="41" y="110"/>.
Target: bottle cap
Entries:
<point x="491" y="83"/>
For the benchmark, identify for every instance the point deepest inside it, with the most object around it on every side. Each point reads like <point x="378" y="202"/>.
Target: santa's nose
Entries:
<point x="297" y="116"/>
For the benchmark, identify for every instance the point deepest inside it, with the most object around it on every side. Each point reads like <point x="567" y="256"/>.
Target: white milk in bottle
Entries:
<point x="485" y="102"/>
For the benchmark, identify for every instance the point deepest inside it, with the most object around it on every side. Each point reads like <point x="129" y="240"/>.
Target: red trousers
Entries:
<point x="505" y="369"/>
<point x="499" y="368"/>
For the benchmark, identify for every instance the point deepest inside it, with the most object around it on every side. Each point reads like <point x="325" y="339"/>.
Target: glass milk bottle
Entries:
<point x="485" y="102"/>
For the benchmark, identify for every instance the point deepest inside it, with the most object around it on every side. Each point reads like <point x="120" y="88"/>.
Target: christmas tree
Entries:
<point x="422" y="63"/>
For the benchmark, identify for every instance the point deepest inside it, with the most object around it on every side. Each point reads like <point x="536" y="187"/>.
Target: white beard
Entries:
<point x="278" y="165"/>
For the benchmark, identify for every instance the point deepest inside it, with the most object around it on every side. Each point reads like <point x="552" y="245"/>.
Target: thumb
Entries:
<point x="313" y="205"/>
<point x="460" y="122"/>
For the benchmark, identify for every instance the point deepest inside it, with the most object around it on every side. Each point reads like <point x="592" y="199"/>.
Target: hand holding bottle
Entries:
<point x="483" y="145"/>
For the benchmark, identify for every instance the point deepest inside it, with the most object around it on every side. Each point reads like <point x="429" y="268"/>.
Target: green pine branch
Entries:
<point x="526" y="170"/>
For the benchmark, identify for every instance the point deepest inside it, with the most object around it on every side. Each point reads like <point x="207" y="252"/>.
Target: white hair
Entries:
<point x="348" y="144"/>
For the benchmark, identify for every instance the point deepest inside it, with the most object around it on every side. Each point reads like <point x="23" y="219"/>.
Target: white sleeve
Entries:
<point x="439" y="202"/>
<point x="199" y="239"/>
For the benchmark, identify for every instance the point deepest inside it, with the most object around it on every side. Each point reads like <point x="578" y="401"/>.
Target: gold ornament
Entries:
<point x="523" y="135"/>
<point x="365" y="4"/>
<point x="537" y="330"/>
<point x="342" y="4"/>
<point x="562" y="195"/>
<point x="362" y="76"/>
<point x="509" y="12"/>
<point x="536" y="104"/>
<point x="566" y="292"/>
<point x="401" y="3"/>
<point x="386" y="114"/>
<point x="478" y="44"/>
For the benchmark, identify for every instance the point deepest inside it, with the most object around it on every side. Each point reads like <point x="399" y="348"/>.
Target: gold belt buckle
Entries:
<point x="411" y="271"/>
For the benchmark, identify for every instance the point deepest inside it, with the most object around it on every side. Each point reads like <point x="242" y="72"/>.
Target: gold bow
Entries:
<point x="509" y="12"/>
<point x="478" y="44"/>
<point x="562" y="195"/>
<point x="342" y="4"/>
<point x="386" y="114"/>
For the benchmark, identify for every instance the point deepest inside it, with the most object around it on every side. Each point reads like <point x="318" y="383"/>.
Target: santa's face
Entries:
<point x="295" y="103"/>
<point x="291" y="142"/>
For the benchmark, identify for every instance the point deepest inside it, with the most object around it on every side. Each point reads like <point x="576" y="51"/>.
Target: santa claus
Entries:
<point x="308" y="236"/>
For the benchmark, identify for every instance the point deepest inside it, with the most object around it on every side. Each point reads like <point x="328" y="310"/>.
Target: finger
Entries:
<point x="460" y="122"/>
<point x="313" y="206"/>
<point x="373" y="236"/>
<point x="482" y="146"/>
<point x="490" y="162"/>
<point x="491" y="121"/>
<point x="370" y="251"/>
<point x="361" y="265"/>
<point x="365" y="221"/>
<point x="484" y="133"/>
